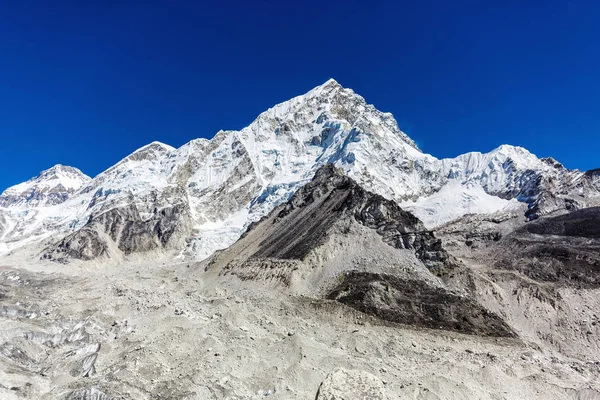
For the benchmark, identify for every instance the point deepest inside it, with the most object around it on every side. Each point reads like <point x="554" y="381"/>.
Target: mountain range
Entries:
<point x="316" y="254"/>
<point x="202" y="196"/>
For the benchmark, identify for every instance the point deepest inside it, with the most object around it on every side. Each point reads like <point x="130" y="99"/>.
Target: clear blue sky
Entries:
<point x="85" y="84"/>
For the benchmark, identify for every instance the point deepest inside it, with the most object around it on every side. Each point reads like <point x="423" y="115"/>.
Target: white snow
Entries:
<point x="455" y="200"/>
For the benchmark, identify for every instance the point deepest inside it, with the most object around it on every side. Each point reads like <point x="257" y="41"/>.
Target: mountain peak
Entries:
<point x="51" y="186"/>
<point x="330" y="88"/>
<point x="237" y="177"/>
<point x="69" y="177"/>
<point x="56" y="167"/>
<point x="150" y="151"/>
<point x="330" y="83"/>
<point x="509" y="148"/>
<point x="156" y="145"/>
<point x="60" y="169"/>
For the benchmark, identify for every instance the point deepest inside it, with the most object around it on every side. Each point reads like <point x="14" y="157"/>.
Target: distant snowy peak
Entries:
<point x="494" y="181"/>
<point x="499" y="172"/>
<point x="331" y="101"/>
<point x="141" y="174"/>
<point x="50" y="187"/>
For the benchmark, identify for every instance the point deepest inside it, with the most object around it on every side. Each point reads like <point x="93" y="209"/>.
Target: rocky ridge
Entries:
<point x="543" y="275"/>
<point x="306" y="245"/>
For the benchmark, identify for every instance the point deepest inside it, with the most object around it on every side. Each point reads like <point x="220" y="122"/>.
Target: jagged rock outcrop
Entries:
<point x="84" y="244"/>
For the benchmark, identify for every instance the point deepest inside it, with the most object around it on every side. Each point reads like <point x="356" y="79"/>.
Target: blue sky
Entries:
<point x="86" y="83"/>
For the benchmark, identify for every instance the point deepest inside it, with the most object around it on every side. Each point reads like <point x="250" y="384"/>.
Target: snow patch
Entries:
<point x="455" y="200"/>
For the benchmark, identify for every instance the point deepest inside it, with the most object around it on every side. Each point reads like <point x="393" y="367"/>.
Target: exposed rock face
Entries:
<point x="414" y="302"/>
<point x="332" y="196"/>
<point x="125" y="229"/>
<point x="563" y="249"/>
<point x="335" y="240"/>
<point x="542" y="275"/>
<point x="582" y="223"/>
<point x="84" y="244"/>
<point x="3" y="223"/>
<point x="593" y="177"/>
<point x="343" y="384"/>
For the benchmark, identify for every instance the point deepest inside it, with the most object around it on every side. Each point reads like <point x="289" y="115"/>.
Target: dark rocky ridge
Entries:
<point x="580" y="223"/>
<point x="564" y="249"/>
<point x="289" y="246"/>
<point x="343" y="197"/>
<point x="413" y="302"/>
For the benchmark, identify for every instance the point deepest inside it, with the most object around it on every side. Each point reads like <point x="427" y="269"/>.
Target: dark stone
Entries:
<point x="564" y="250"/>
<point x="418" y="303"/>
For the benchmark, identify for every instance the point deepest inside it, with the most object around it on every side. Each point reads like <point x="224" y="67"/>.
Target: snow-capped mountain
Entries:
<point x="505" y="178"/>
<point x="201" y="196"/>
<point x="50" y="187"/>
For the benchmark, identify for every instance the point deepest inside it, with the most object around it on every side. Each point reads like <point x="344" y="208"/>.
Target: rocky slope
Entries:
<point x="543" y="276"/>
<point x="223" y="184"/>
<point x="335" y="240"/>
<point x="151" y="332"/>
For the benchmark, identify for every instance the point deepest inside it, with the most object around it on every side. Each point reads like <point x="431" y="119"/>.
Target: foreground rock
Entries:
<point x="90" y="394"/>
<point x="343" y="384"/>
<point x="237" y="340"/>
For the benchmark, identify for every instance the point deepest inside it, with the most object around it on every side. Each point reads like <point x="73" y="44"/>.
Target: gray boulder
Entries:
<point x="343" y="384"/>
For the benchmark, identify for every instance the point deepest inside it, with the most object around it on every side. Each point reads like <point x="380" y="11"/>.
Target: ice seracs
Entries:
<point x="221" y="185"/>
